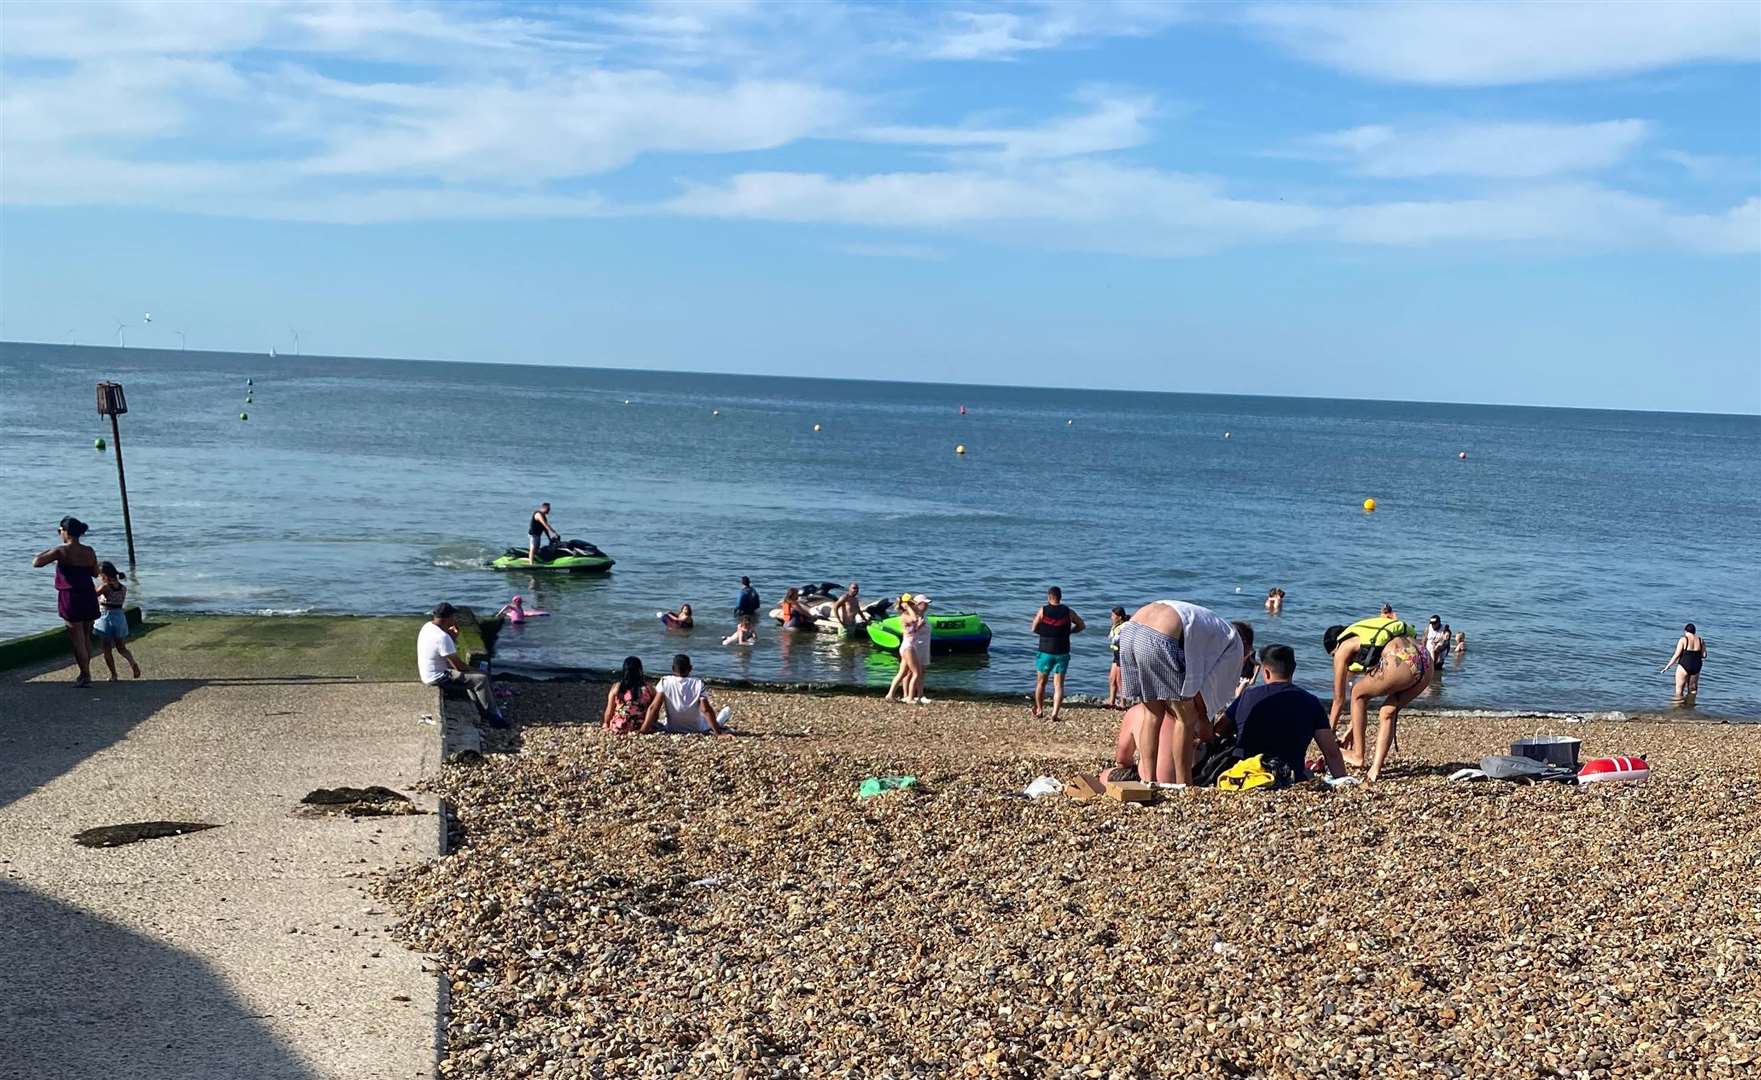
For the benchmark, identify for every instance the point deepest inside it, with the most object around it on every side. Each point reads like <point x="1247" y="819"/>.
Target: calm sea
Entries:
<point x="1570" y="545"/>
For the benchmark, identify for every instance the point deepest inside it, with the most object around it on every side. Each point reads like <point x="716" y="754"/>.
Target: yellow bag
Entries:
<point x="1246" y="775"/>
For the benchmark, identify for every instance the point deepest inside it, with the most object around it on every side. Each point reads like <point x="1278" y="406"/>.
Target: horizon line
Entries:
<point x="881" y="381"/>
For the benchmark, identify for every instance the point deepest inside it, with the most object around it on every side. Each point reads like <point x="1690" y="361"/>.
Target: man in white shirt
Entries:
<point x="682" y="705"/>
<point x="438" y="663"/>
<point x="1437" y="640"/>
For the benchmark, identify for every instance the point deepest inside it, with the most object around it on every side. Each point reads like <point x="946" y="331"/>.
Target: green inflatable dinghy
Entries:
<point x="956" y="633"/>
<point x="568" y="557"/>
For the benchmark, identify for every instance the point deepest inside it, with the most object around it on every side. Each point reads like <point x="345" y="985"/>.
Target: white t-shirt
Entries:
<point x="681" y="695"/>
<point x="1435" y="638"/>
<point x="433" y="646"/>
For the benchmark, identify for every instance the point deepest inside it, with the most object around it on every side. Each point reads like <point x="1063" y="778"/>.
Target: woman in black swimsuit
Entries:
<point x="1689" y="657"/>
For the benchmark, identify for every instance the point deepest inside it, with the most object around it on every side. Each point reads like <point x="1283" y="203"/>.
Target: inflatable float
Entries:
<point x="568" y="557"/>
<point x="957" y="633"/>
<point x="1604" y="769"/>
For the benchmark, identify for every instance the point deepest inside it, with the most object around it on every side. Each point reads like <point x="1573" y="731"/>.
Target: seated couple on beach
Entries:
<point x="679" y="704"/>
<point x="1177" y="658"/>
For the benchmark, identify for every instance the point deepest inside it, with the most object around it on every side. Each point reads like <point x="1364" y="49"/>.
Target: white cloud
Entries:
<point x="1502" y="150"/>
<point x="1112" y="123"/>
<point x="1098" y="206"/>
<point x="999" y="32"/>
<point x="1497" y="42"/>
<point x="571" y="125"/>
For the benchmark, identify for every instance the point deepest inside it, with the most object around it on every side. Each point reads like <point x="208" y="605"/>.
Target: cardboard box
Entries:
<point x="1130" y="791"/>
<point x="1083" y="788"/>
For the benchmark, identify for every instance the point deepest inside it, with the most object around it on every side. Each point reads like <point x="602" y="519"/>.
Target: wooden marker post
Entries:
<point x="111" y="403"/>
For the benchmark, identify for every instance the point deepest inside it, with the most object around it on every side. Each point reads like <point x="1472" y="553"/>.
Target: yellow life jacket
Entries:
<point x="1372" y="634"/>
<point x="1247" y="774"/>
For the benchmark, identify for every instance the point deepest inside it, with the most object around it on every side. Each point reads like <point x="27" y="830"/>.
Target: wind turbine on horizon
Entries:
<point x="121" y="339"/>
<point x="69" y="337"/>
<point x="181" y="342"/>
<point x="296" y="340"/>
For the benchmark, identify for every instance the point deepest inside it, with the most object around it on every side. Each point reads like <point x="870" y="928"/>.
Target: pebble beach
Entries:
<point x="672" y="905"/>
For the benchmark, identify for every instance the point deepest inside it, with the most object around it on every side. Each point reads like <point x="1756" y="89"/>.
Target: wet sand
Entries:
<point x="629" y="906"/>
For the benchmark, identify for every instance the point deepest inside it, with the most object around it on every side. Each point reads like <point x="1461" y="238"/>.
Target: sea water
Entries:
<point x="1570" y="545"/>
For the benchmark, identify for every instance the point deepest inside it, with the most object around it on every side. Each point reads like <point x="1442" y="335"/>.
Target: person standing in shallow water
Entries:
<point x="1689" y="657"/>
<point x="1054" y="623"/>
<point x="76" y="596"/>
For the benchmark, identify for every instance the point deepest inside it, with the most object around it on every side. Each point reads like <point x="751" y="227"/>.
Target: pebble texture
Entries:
<point x="629" y="906"/>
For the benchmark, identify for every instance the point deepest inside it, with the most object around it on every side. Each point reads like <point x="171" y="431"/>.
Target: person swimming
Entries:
<point x="677" y="620"/>
<point x="744" y="633"/>
<point x="1274" y="600"/>
<point x="515" y="611"/>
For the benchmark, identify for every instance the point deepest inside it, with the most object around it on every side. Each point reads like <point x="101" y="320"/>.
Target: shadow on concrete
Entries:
<point x="84" y="999"/>
<point x="47" y="728"/>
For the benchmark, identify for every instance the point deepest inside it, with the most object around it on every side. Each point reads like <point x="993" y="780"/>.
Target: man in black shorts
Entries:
<point x="536" y="529"/>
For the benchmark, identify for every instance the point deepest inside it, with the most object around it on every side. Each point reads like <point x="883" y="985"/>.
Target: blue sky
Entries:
<point x="1546" y="203"/>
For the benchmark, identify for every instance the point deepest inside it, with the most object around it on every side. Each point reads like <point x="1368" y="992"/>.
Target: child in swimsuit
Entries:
<point x="112" y="624"/>
<point x="678" y="620"/>
<point x="743" y="634"/>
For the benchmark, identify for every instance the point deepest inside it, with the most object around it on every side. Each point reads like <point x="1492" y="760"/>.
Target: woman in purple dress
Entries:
<point x="77" y="599"/>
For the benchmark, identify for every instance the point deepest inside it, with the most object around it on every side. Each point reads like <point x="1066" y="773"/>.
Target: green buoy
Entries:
<point x="247" y="399"/>
<point x="97" y="444"/>
<point x="242" y="416"/>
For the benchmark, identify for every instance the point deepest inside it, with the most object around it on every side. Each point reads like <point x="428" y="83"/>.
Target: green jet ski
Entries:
<point x="957" y="633"/>
<point x="565" y="557"/>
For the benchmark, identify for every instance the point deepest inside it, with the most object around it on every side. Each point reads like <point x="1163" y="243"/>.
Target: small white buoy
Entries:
<point x="1069" y="423"/>
<point x="1227" y="434"/>
<point x="1462" y="456"/>
<point x="715" y="412"/>
<point x="626" y="401"/>
<point x="816" y="427"/>
<point x="961" y="449"/>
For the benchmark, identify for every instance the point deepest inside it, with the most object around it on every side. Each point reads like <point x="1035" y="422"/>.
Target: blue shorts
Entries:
<point x="1051" y="664"/>
<point x="113" y="624"/>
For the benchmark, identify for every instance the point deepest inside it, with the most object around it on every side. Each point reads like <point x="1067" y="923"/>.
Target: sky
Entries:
<point x="1550" y="203"/>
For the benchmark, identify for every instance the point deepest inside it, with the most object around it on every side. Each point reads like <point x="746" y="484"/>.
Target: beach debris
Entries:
<point x="374" y="801"/>
<point x="1467" y="774"/>
<point x="117" y="835"/>
<point x="1045" y="785"/>
<point x="1130" y="791"/>
<point x="880" y="785"/>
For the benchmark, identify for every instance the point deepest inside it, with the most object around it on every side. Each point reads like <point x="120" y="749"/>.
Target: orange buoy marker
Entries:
<point x="1369" y="506"/>
<point x="961" y="449"/>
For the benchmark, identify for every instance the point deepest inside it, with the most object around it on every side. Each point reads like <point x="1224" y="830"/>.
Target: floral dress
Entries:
<point x="632" y="706"/>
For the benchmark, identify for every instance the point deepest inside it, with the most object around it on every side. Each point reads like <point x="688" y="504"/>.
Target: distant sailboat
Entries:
<point x="271" y="352"/>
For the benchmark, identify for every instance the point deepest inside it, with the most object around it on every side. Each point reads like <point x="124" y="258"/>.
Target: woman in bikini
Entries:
<point x="76" y="597"/>
<point x="1689" y="657"/>
<point x="1393" y="666"/>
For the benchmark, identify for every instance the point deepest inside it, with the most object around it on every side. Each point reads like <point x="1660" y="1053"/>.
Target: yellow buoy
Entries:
<point x="1370" y="505"/>
<point x="816" y="427"/>
<point x="961" y="449"/>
